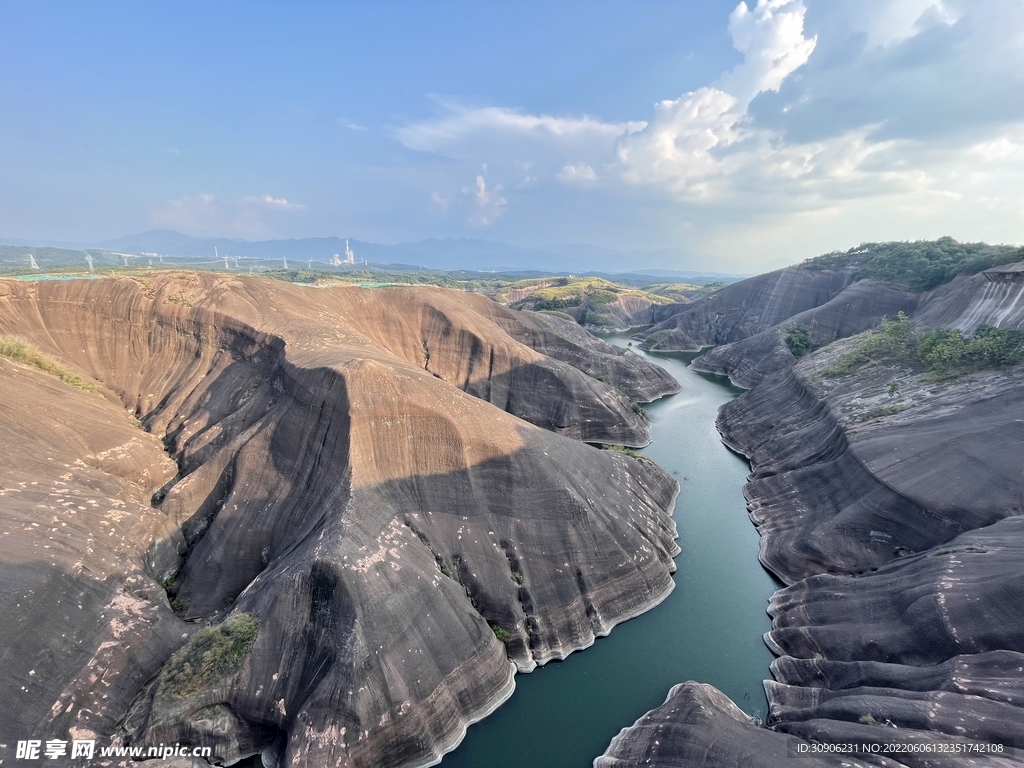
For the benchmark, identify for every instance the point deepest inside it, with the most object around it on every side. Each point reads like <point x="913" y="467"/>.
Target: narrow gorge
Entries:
<point x="889" y="499"/>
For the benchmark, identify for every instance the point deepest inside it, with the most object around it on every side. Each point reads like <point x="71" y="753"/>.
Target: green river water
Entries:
<point x="709" y="629"/>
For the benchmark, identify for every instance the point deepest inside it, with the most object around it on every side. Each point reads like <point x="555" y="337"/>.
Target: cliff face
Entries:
<point x="854" y="309"/>
<point x="994" y="297"/>
<point x="627" y="311"/>
<point x="892" y="504"/>
<point x="748" y="307"/>
<point x="563" y="340"/>
<point x="349" y="471"/>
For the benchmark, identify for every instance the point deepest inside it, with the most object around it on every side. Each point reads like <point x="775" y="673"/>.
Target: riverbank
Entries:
<point x="708" y="629"/>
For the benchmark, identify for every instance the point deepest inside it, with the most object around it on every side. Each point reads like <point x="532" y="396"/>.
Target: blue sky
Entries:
<point x="758" y="133"/>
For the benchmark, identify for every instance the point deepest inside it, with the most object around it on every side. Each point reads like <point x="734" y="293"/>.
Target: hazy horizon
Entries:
<point x="748" y="135"/>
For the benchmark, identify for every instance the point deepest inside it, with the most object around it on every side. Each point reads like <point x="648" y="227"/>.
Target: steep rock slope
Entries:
<point x="376" y="545"/>
<point x="892" y="504"/>
<point x="564" y="340"/>
<point x="745" y="308"/>
<point x="855" y="309"/>
<point x="994" y="297"/>
<point x="625" y="312"/>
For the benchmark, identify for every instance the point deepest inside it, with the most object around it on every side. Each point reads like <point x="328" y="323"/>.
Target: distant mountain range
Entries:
<point x="450" y="253"/>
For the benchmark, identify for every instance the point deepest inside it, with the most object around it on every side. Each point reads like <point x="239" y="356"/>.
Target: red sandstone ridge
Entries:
<point x="373" y="497"/>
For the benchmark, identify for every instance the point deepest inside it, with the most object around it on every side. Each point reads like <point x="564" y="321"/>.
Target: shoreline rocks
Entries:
<point x="895" y="515"/>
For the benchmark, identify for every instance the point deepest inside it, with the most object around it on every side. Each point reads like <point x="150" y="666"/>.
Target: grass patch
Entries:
<point x="20" y="352"/>
<point x="209" y="657"/>
<point x="632" y="452"/>
<point x="888" y="410"/>
<point x="180" y="298"/>
<point x="654" y="339"/>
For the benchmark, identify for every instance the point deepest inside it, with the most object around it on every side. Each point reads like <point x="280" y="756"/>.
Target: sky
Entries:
<point x="758" y="133"/>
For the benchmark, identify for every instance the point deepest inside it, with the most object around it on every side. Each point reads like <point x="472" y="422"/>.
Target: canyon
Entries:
<point x="329" y="525"/>
<point x="311" y="525"/>
<point x="889" y="501"/>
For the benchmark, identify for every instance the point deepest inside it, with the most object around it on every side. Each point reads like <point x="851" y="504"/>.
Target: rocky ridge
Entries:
<point x="891" y="503"/>
<point x="384" y="488"/>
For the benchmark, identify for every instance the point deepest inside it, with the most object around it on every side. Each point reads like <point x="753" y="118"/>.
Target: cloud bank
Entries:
<point x="844" y="121"/>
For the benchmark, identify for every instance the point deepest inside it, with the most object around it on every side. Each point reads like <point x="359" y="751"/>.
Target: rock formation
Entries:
<point x="892" y="503"/>
<point x="368" y="507"/>
<point x="748" y="307"/>
<point x="854" y="309"/>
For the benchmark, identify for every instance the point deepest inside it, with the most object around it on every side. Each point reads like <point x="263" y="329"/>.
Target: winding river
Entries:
<point x="709" y="629"/>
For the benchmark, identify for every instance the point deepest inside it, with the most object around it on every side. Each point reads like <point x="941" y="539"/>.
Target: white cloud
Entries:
<point x="890" y="22"/>
<point x="206" y="214"/>
<point x="270" y="201"/>
<point x="437" y="201"/>
<point x="489" y="202"/>
<point x="771" y="39"/>
<point x="462" y="131"/>
<point x="848" y="149"/>
<point x="677" y="149"/>
<point x="577" y="172"/>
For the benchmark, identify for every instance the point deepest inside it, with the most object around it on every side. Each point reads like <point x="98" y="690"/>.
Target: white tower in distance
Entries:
<point x="350" y="256"/>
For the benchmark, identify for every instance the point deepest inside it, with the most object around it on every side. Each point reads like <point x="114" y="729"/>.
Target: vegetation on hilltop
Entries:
<point x="562" y="292"/>
<point x="920" y="265"/>
<point x="944" y="353"/>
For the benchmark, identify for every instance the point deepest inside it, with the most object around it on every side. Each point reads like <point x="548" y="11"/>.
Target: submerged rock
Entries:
<point x="352" y="470"/>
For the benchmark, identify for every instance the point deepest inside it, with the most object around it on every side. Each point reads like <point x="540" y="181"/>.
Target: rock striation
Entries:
<point x="746" y="308"/>
<point x="856" y="308"/>
<point x="994" y="297"/>
<point x="562" y="339"/>
<point x="892" y="504"/>
<point x="625" y="312"/>
<point x="377" y="503"/>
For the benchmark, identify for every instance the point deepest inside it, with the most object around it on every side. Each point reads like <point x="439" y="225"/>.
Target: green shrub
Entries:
<point x="502" y="634"/>
<point x="891" y="342"/>
<point x="945" y="353"/>
<point x="179" y="606"/>
<point x="209" y="657"/>
<point x="621" y="449"/>
<point x="798" y="339"/>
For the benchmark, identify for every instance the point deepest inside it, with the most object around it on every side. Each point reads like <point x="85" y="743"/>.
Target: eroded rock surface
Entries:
<point x="892" y="504"/>
<point x="855" y="309"/>
<point x="352" y="471"/>
<point x="748" y="307"/>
